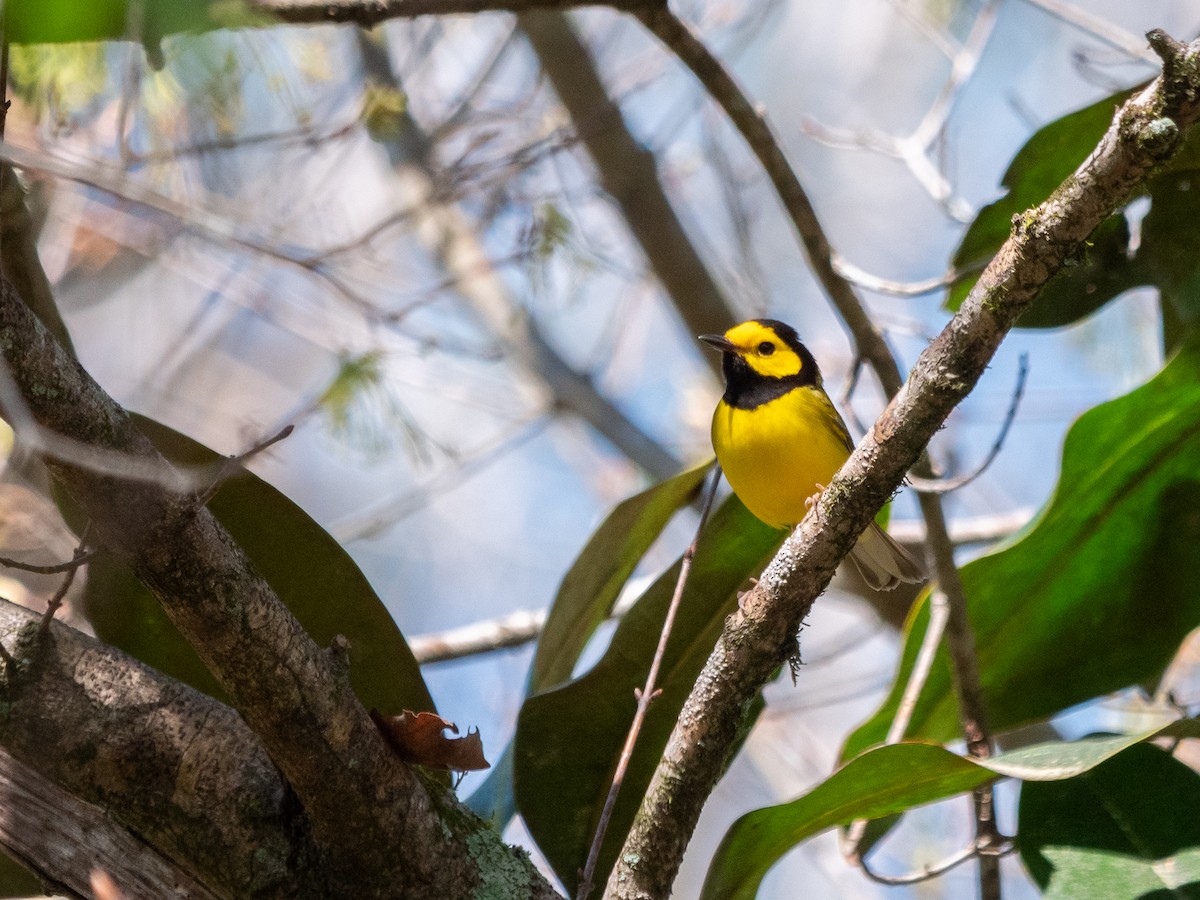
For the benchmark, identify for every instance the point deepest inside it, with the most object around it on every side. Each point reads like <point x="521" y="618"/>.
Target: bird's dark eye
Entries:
<point x="766" y="348"/>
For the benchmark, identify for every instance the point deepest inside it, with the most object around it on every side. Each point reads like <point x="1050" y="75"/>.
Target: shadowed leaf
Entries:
<point x="569" y="738"/>
<point x="1124" y="830"/>
<point x="584" y="600"/>
<point x="1164" y="257"/>
<point x="308" y="569"/>
<point x="591" y="587"/>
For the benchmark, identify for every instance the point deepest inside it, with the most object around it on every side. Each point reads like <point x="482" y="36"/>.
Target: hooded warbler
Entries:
<point x="780" y="440"/>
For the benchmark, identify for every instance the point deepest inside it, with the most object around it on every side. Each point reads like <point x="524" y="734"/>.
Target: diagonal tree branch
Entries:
<point x="368" y="13"/>
<point x="455" y="243"/>
<point x="378" y="826"/>
<point x="629" y="173"/>
<point x="871" y="347"/>
<point x="1144" y="134"/>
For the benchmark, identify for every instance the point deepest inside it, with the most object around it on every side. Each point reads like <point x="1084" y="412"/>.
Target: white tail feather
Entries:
<point x="884" y="564"/>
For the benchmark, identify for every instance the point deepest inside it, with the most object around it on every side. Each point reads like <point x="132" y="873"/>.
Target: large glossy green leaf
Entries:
<point x="888" y="780"/>
<point x="1098" y="592"/>
<point x="309" y="570"/>
<point x="569" y="738"/>
<point x="584" y="600"/>
<point x="1124" y="830"/>
<point x="588" y="591"/>
<point x="1109" y="265"/>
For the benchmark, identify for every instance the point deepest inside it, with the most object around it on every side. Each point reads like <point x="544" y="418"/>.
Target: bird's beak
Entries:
<point x="719" y="341"/>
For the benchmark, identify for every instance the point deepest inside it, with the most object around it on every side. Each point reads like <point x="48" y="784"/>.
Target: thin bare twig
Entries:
<point x="868" y="282"/>
<point x="915" y="149"/>
<point x="211" y="225"/>
<point x="370" y="14"/>
<point x="939" y="611"/>
<point x="946" y="485"/>
<point x="232" y="464"/>
<point x="513" y="630"/>
<point x="79" y="560"/>
<point x="68" y="580"/>
<point x="975" y="530"/>
<point x="646" y="695"/>
<point x="1098" y="27"/>
<point x="937" y="869"/>
<point x="964" y="670"/>
<point x="848" y="392"/>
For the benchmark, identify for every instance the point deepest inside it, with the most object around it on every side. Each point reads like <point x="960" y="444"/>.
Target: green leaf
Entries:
<point x="1126" y="829"/>
<point x="1048" y="157"/>
<point x="887" y="780"/>
<point x="1166" y="256"/>
<point x="584" y="600"/>
<point x="72" y="21"/>
<point x="1171" y="241"/>
<point x="588" y="591"/>
<point x="1098" y="592"/>
<point x="569" y="738"/>
<point x="16" y="880"/>
<point x="309" y="570"/>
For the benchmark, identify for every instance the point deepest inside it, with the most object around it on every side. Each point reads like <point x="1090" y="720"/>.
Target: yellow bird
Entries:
<point x="780" y="440"/>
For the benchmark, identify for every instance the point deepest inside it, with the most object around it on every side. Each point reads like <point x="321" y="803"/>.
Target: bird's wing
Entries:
<point x="837" y="423"/>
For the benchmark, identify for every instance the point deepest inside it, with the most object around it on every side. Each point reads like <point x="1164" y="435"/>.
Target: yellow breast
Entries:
<point x="776" y="454"/>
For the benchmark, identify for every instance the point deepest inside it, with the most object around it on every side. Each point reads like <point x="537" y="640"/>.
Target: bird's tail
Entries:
<point x="884" y="564"/>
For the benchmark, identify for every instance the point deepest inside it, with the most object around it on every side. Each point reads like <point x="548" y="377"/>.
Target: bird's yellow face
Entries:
<point x="764" y="351"/>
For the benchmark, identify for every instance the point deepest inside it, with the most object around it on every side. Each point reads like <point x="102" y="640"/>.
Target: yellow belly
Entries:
<point x="776" y="454"/>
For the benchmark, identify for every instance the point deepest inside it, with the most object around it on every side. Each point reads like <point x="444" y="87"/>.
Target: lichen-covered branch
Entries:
<point x="378" y="827"/>
<point x="1144" y="134"/>
<point x="870" y="346"/>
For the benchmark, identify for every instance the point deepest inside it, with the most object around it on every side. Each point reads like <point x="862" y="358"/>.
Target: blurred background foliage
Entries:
<point x="467" y="257"/>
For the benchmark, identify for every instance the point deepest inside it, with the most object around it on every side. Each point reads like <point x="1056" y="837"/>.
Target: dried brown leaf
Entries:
<point x="420" y="739"/>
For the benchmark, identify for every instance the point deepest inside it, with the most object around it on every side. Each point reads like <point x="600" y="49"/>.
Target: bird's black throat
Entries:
<point x="747" y="389"/>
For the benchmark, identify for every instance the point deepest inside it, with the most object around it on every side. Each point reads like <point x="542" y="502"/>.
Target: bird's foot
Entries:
<point x="812" y="501"/>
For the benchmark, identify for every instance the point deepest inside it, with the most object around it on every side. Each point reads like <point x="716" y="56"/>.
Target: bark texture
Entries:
<point x="113" y="765"/>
